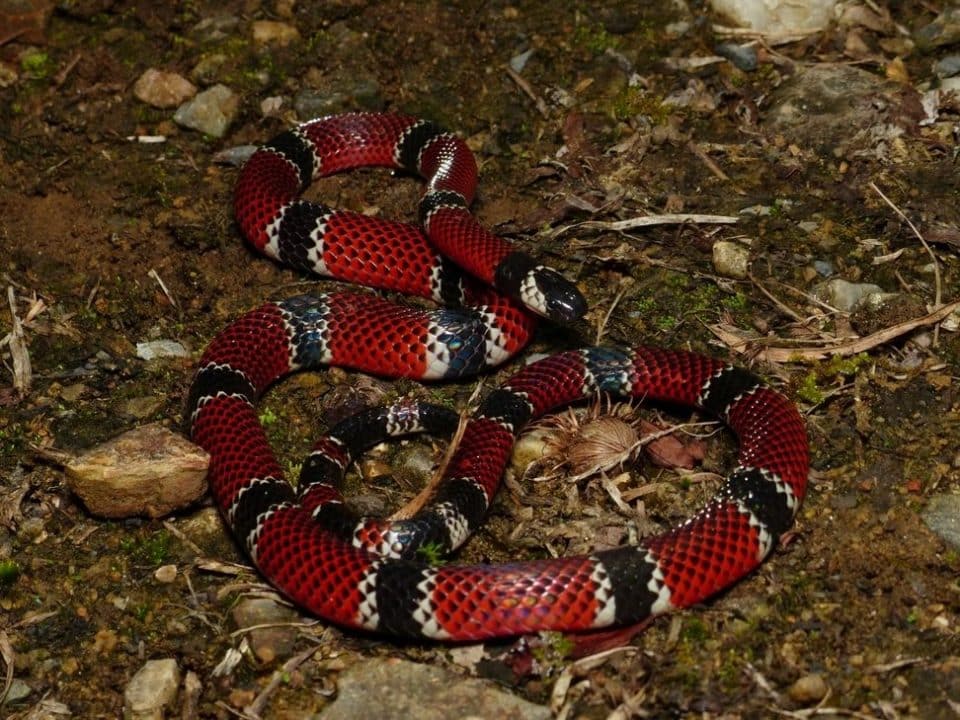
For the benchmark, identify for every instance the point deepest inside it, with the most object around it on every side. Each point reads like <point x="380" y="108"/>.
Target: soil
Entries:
<point x="126" y="242"/>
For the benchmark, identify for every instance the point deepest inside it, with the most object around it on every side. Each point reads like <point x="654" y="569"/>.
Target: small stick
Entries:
<point x="22" y="372"/>
<point x="650" y="220"/>
<point x="936" y="263"/>
<point x="712" y="166"/>
<point x="845" y="349"/>
<point x="528" y="91"/>
<point x="156" y="276"/>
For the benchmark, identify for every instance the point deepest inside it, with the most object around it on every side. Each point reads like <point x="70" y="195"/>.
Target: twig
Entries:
<point x="61" y="77"/>
<point x="9" y="37"/>
<point x="936" y="263"/>
<point x="844" y="349"/>
<point x="177" y="533"/>
<point x="8" y="656"/>
<point x="785" y="309"/>
<point x="528" y="91"/>
<point x="22" y="373"/>
<point x="260" y="702"/>
<point x="650" y="220"/>
<point x="606" y="316"/>
<point x="895" y="665"/>
<point x="417" y="502"/>
<point x="156" y="276"/>
<point x="712" y="166"/>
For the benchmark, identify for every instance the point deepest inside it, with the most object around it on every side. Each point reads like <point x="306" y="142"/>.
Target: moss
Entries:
<point x="594" y="37"/>
<point x="36" y="64"/>
<point x="632" y="101"/>
<point x="554" y="650"/>
<point x="152" y="549"/>
<point x="432" y="553"/>
<point x="809" y="390"/>
<point x="9" y="572"/>
<point x="695" y="631"/>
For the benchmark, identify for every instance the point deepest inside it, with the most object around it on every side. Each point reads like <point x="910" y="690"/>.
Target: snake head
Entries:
<point x="541" y="289"/>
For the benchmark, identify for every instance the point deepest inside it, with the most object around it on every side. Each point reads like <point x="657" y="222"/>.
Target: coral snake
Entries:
<point x="366" y="573"/>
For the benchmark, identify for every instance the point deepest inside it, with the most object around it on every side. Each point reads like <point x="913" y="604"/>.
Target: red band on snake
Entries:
<point x="362" y="573"/>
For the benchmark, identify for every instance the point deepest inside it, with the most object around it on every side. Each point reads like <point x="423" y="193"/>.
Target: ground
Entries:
<point x="126" y="242"/>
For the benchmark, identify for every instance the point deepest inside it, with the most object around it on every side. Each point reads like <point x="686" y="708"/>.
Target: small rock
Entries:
<point x="8" y="74"/>
<point x="272" y="32"/>
<point x="395" y="689"/>
<point x="519" y="62"/>
<point x="823" y="267"/>
<point x="743" y="57"/>
<point x="214" y="28"/>
<point x="877" y="311"/>
<point x="808" y="689"/>
<point x="842" y="110"/>
<point x="165" y="574"/>
<point x="943" y="30"/>
<point x="275" y="641"/>
<point x="416" y="460"/>
<point x="18" y="691"/>
<point x="777" y="16"/>
<point x="140" y="408"/>
<point x="731" y="259"/>
<point x="151" y="690"/>
<point x="338" y="93"/>
<point x="163" y="89"/>
<point x="844" y="295"/>
<point x="208" y="68"/>
<point x="210" y="112"/>
<point x="160" y="348"/>
<point x="942" y="516"/>
<point x="72" y="392"/>
<point x="149" y="470"/>
<point x="947" y="66"/>
<point x="529" y="449"/>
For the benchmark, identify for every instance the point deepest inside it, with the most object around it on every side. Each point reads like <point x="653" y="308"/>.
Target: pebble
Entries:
<point x="393" y="689"/>
<point x="149" y="470"/>
<point x="530" y="448"/>
<point x="844" y="295"/>
<point x="339" y="93"/>
<point x="217" y="27"/>
<point x="19" y="690"/>
<point x="942" y="516"/>
<point x="777" y="16"/>
<point x="210" y="112"/>
<point x="151" y="690"/>
<point x="519" y="62"/>
<point x="165" y="574"/>
<point x="731" y="259"/>
<point x="160" y="348"/>
<point x="267" y="643"/>
<point x="273" y="32"/>
<point x="808" y="689"/>
<point x="943" y="30"/>
<point x="72" y="392"/>
<point x="837" y="110"/>
<point x="8" y="74"/>
<point x="823" y="267"/>
<point x="947" y="66"/>
<point x="163" y="89"/>
<point x="140" y="408"/>
<point x="743" y="57"/>
<point x="208" y="69"/>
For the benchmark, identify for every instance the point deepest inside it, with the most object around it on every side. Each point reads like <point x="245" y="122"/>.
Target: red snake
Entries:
<point x="365" y="573"/>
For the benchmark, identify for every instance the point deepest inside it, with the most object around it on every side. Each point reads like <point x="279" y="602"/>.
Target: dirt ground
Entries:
<point x="124" y="242"/>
